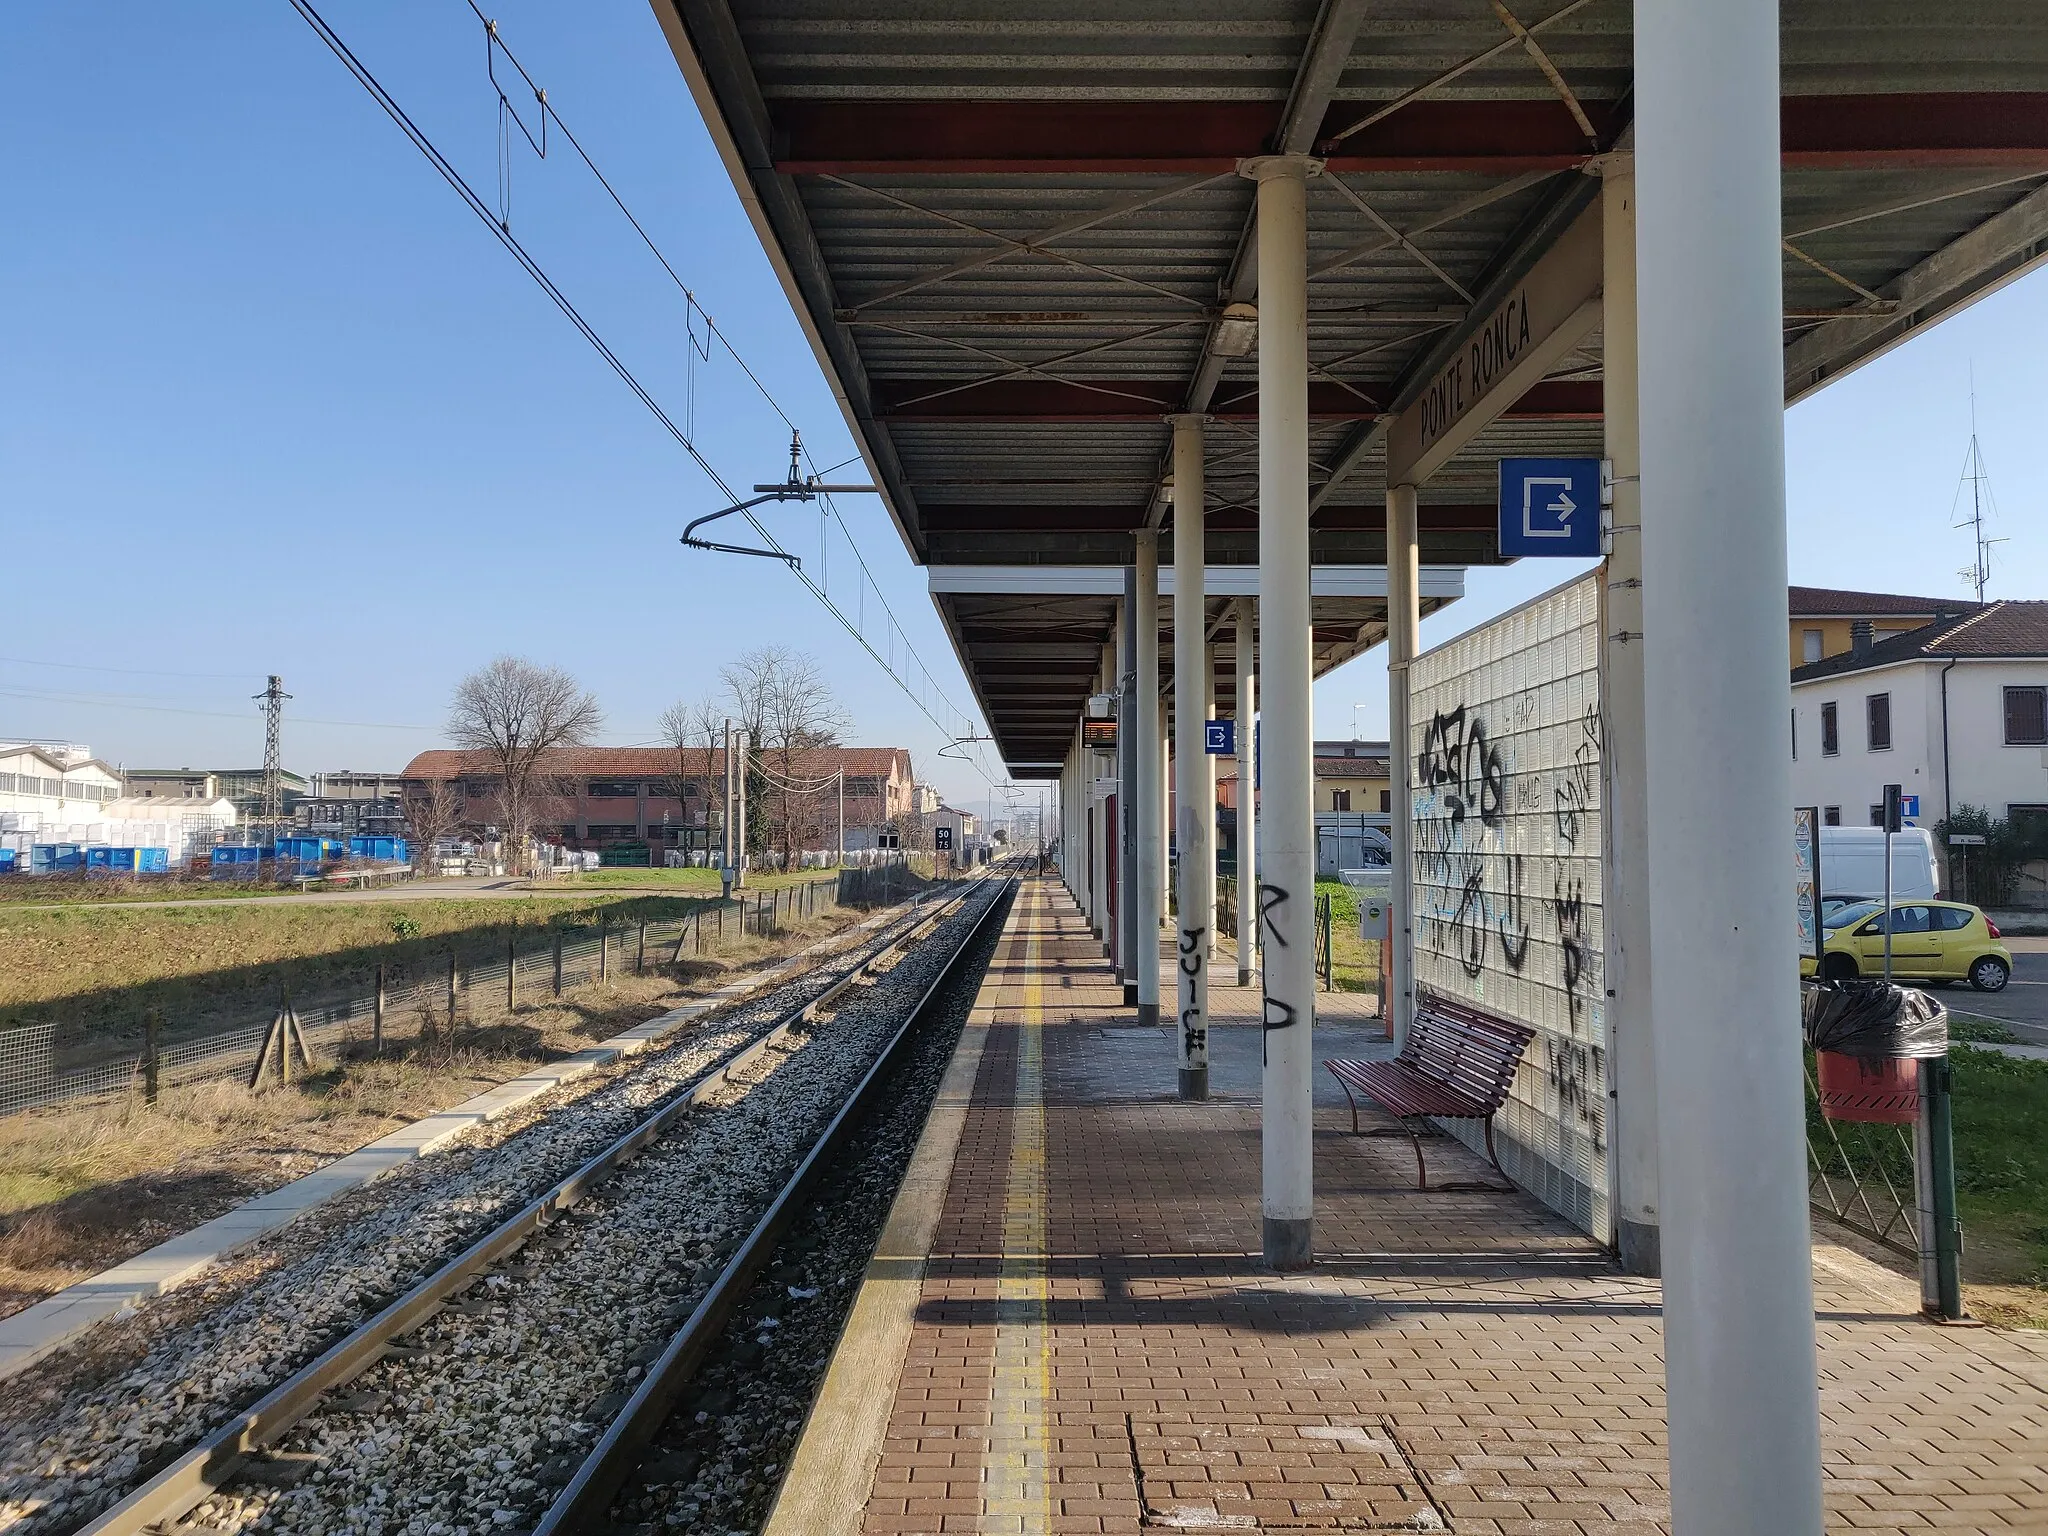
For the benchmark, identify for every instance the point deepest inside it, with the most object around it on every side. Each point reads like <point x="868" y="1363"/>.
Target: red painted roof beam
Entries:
<point x="1901" y="131"/>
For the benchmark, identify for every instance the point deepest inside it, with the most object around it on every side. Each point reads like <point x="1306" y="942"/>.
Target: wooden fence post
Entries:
<point x="377" y="1017"/>
<point x="640" y="954"/>
<point x="558" y="962"/>
<point x="451" y="996"/>
<point x="511" y="974"/>
<point x="152" y="1047"/>
<point x="604" y="951"/>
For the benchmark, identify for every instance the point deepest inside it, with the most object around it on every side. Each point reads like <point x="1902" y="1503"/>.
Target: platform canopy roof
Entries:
<point x="1012" y="231"/>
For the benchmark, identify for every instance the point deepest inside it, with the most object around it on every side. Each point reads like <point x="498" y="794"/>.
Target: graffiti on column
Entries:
<point x="1194" y="1029"/>
<point x="1506" y="875"/>
<point x="1270" y="898"/>
<point x="1277" y="1013"/>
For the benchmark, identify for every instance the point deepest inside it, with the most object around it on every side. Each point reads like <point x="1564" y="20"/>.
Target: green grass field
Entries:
<point x="2001" y="1127"/>
<point x="94" y="970"/>
<point x="1355" y="962"/>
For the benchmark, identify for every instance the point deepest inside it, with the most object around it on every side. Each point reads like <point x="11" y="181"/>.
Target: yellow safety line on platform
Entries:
<point x="1017" y="1492"/>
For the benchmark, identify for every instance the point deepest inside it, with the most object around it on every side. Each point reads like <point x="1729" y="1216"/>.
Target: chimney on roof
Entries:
<point x="1859" y="637"/>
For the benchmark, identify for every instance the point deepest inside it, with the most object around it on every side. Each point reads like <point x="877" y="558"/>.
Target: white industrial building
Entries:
<point x="55" y="781"/>
<point x="1955" y="712"/>
<point x="58" y="792"/>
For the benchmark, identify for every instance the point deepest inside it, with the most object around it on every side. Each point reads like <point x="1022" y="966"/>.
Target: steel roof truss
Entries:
<point x="1014" y="368"/>
<point x="1015" y="246"/>
<point x="1450" y="215"/>
<point x="1395" y="237"/>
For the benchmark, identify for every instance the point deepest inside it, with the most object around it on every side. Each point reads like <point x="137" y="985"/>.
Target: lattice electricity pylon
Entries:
<point x="272" y="699"/>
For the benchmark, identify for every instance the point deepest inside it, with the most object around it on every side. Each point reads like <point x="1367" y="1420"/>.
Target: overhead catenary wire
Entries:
<point x="501" y="230"/>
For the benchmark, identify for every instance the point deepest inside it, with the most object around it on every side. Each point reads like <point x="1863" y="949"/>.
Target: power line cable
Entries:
<point x="500" y="228"/>
<point x="89" y="701"/>
<point x="79" y="666"/>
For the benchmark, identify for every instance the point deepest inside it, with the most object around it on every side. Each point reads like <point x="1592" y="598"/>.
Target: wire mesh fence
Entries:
<point x="1861" y="1175"/>
<point x="428" y="997"/>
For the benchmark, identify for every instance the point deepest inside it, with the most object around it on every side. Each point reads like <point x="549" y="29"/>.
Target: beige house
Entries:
<point x="1352" y="776"/>
<point x="1825" y="621"/>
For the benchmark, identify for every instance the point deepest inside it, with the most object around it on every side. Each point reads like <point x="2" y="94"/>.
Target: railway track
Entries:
<point x="514" y="1388"/>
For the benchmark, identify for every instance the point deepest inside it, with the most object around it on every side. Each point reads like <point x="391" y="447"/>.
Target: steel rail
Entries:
<point x="583" y="1502"/>
<point x="213" y="1462"/>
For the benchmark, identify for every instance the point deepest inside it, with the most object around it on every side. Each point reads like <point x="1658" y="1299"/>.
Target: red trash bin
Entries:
<point x="1876" y="1090"/>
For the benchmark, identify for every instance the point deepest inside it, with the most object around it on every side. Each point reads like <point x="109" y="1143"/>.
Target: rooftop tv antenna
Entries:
<point x="797" y="487"/>
<point x="272" y="699"/>
<point x="1977" y="574"/>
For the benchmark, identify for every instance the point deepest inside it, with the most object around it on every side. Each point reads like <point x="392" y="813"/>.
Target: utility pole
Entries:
<point x="272" y="699"/>
<point x="725" y="810"/>
<point x="841" y="776"/>
<point x="745" y="745"/>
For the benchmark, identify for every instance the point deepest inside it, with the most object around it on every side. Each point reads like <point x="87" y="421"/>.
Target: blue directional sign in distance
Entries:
<point x="1219" y="738"/>
<point x="1909" y="806"/>
<point x="1549" y="507"/>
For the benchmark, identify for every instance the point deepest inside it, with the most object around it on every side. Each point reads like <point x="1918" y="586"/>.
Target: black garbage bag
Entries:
<point x="1874" y="1019"/>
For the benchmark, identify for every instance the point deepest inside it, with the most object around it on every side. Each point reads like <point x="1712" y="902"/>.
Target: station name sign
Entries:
<point x="1541" y="319"/>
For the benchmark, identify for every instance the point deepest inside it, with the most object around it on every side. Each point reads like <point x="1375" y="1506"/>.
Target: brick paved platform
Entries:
<point x="1086" y="1341"/>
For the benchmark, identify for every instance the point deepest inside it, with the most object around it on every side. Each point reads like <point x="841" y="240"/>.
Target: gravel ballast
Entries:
<point x="488" y="1409"/>
<point x="717" y="1464"/>
<point x="89" y="1424"/>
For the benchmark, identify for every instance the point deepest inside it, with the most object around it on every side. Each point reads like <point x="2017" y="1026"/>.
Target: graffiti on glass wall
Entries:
<point x="1505" y="736"/>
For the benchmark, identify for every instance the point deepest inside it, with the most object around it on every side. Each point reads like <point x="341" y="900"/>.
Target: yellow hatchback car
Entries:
<point x="1931" y="941"/>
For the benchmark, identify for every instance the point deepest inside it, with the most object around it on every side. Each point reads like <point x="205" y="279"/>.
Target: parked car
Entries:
<point x="1939" y="941"/>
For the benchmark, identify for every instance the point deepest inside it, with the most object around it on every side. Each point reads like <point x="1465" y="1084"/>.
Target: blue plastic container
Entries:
<point x="129" y="861"/>
<point x="7" y="861"/>
<point x="55" y="858"/>
<point x="385" y="850"/>
<point x="238" y="861"/>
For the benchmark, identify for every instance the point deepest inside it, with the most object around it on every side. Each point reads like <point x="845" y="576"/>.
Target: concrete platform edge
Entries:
<point x="832" y="1471"/>
<point x="50" y="1324"/>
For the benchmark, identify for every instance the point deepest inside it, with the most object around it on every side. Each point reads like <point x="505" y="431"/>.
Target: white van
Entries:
<point x="1852" y="864"/>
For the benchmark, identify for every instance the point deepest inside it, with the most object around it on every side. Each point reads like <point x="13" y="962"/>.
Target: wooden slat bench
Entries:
<point x="1458" y="1064"/>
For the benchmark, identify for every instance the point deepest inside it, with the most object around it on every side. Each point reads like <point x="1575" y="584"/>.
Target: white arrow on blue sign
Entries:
<point x="1219" y="738"/>
<point x="1549" y="507"/>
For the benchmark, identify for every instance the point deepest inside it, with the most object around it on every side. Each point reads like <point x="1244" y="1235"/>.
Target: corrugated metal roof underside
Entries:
<point x="1014" y="224"/>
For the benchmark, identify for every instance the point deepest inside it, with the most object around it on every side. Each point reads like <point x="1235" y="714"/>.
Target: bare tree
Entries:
<point x="507" y="717"/>
<point x="432" y="811"/>
<point x="694" y="733"/>
<point x="789" y="711"/>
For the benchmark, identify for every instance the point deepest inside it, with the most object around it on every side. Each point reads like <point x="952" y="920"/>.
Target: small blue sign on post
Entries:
<point x="1909" y="806"/>
<point x="1550" y="507"/>
<point x="1219" y="738"/>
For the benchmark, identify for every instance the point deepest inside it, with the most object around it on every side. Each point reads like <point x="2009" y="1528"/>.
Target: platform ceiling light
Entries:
<point x="1237" y="332"/>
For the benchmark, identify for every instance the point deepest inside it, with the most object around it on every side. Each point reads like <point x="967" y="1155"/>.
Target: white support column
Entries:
<point x="1404" y="617"/>
<point x="1631" y="1051"/>
<point x="1127" y="756"/>
<point x="1070" y="778"/>
<point x="1208" y="789"/>
<point x="1740" y="1364"/>
<point x="1151" y="785"/>
<point x="1194" y="832"/>
<point x="1247" y="790"/>
<point x="1288" y="878"/>
<point x="1165" y="826"/>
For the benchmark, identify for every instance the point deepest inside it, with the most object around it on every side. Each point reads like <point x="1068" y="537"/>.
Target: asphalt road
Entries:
<point x="2023" y="1006"/>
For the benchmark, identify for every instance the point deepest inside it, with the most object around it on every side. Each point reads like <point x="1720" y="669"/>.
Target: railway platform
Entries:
<point x="1068" y="1327"/>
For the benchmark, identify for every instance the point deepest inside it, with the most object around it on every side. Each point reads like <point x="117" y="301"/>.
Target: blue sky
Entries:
<point x="272" y="399"/>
